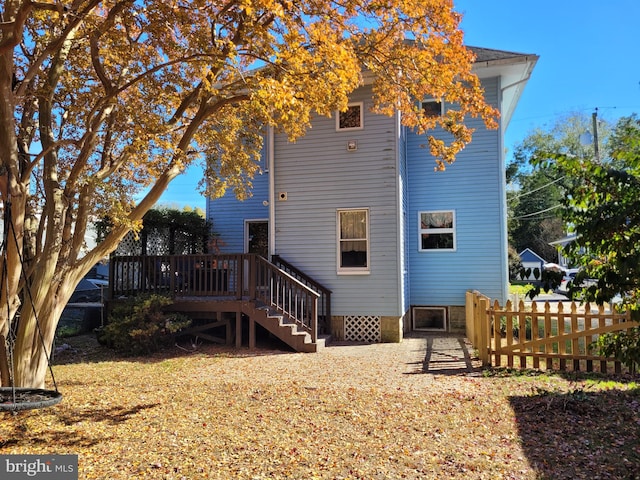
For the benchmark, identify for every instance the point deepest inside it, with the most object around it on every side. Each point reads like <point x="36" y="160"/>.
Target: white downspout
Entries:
<point x="503" y="194"/>
<point x="272" y="195"/>
<point x="401" y="254"/>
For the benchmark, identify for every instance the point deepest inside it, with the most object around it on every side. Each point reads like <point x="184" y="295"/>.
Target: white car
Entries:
<point x="569" y="277"/>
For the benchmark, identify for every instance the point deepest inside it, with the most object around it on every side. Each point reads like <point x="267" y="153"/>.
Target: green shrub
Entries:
<point x="140" y="325"/>
<point x="65" y="331"/>
<point x="623" y="346"/>
<point x="515" y="327"/>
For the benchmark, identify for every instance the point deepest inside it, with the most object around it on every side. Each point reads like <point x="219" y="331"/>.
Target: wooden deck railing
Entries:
<point x="553" y="336"/>
<point x="243" y="277"/>
<point x="176" y="275"/>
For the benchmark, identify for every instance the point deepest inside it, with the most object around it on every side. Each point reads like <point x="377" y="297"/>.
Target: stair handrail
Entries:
<point x="296" y="272"/>
<point x="285" y="293"/>
<point x="325" y="293"/>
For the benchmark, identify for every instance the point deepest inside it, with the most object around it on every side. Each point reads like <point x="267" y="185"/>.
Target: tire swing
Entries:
<point x="12" y="398"/>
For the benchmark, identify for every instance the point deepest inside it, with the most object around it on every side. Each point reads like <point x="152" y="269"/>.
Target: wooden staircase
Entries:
<point x="282" y="327"/>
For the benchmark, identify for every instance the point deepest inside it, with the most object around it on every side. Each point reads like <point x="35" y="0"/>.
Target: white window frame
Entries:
<point x="434" y="100"/>
<point x="350" y="129"/>
<point x="437" y="231"/>
<point x="246" y="238"/>
<point x="353" y="270"/>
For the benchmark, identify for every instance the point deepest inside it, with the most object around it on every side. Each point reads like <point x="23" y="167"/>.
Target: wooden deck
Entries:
<point x="223" y="291"/>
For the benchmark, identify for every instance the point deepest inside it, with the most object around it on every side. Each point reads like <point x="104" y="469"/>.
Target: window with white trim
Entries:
<point x="352" y="118"/>
<point x="353" y="241"/>
<point x="433" y="108"/>
<point x="437" y="230"/>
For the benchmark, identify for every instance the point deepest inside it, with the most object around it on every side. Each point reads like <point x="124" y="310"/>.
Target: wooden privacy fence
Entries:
<point x="545" y="335"/>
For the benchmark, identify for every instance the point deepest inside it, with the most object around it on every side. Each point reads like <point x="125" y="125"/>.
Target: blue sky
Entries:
<point x="589" y="58"/>
<point x="589" y="55"/>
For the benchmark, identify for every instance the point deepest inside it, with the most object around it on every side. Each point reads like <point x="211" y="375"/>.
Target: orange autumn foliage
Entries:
<point x="103" y="103"/>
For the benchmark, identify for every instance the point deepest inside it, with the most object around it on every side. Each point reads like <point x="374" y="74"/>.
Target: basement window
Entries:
<point x="429" y="318"/>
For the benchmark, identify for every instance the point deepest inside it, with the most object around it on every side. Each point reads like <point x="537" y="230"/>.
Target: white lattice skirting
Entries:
<point x="361" y="328"/>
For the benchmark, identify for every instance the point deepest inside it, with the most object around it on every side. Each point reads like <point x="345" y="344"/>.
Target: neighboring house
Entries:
<point x="563" y="261"/>
<point x="531" y="260"/>
<point x="357" y="206"/>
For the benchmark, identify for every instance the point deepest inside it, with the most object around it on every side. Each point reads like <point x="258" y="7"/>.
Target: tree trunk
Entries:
<point x="5" y="374"/>
<point x="36" y="331"/>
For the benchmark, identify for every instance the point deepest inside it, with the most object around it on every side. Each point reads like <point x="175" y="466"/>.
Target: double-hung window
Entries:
<point x="437" y="230"/>
<point x="353" y="241"/>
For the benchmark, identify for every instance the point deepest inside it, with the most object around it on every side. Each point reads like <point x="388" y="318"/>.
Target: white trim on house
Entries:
<point x="350" y="129"/>
<point x="437" y="231"/>
<point x="247" y="221"/>
<point x="356" y="270"/>
<point x="400" y="243"/>
<point x="272" y="204"/>
<point x="514" y="73"/>
<point x="502" y="186"/>
<point x="440" y="103"/>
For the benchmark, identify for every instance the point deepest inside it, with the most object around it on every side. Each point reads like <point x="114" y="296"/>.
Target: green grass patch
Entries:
<point x="519" y="289"/>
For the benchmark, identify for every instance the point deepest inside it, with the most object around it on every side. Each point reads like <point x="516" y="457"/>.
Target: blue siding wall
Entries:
<point x="470" y="187"/>
<point x="393" y="176"/>
<point x="319" y="176"/>
<point x="228" y="214"/>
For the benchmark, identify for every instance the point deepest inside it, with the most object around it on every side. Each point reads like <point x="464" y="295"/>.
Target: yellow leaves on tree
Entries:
<point x="105" y="102"/>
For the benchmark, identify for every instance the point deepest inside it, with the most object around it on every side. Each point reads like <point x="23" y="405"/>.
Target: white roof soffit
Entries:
<point x="514" y="71"/>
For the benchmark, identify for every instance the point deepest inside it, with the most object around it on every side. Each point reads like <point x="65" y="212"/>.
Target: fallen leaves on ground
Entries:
<point x="349" y="412"/>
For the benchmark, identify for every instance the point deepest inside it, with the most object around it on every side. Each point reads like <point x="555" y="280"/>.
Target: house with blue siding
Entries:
<point x="357" y="205"/>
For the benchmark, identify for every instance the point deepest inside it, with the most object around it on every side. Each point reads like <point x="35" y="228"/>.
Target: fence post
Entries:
<point x="470" y="317"/>
<point x="483" y="322"/>
<point x="497" y="337"/>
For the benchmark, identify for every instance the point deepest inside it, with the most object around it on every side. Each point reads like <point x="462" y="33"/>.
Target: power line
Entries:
<point x="539" y="212"/>
<point x="537" y="218"/>
<point x="570" y="110"/>
<point x="539" y="188"/>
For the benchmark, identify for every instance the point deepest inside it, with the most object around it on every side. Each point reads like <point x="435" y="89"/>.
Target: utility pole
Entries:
<point x="596" y="149"/>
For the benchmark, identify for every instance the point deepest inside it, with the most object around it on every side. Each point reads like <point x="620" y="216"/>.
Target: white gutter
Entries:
<point x="514" y="84"/>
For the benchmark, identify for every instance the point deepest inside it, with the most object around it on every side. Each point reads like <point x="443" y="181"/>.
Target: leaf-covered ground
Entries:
<point x="349" y="412"/>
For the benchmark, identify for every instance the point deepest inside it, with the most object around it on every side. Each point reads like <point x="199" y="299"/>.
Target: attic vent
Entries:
<point x="429" y="318"/>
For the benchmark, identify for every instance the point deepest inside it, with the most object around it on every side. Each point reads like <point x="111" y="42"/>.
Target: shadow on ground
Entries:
<point x="442" y="355"/>
<point x="581" y="434"/>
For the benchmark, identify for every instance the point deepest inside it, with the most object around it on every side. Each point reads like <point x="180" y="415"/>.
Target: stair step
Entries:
<point x="285" y="328"/>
